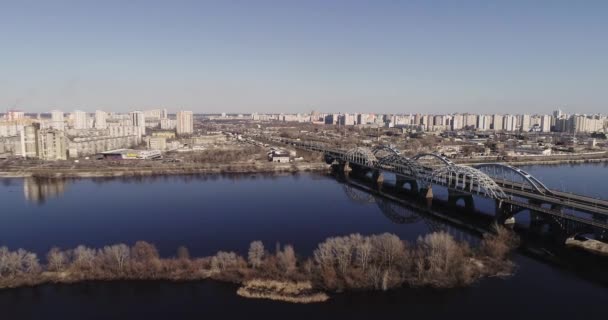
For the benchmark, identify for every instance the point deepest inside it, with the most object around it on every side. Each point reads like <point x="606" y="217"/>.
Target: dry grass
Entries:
<point x="287" y="291"/>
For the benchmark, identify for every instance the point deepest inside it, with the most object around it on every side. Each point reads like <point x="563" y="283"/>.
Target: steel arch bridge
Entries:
<point x="505" y="173"/>
<point x="403" y="166"/>
<point x="383" y="151"/>
<point x="437" y="156"/>
<point x="494" y="180"/>
<point x="467" y="179"/>
<point x="360" y="155"/>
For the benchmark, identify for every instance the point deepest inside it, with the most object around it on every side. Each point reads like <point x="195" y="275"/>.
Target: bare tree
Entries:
<point x="17" y="262"/>
<point x="287" y="259"/>
<point x="3" y="261"/>
<point x="364" y="252"/>
<point x="144" y="252"/>
<point x="256" y="254"/>
<point x="56" y="259"/>
<point x="29" y="262"/>
<point x="83" y="257"/>
<point x="117" y="254"/>
<point x="224" y="260"/>
<point x="389" y="247"/>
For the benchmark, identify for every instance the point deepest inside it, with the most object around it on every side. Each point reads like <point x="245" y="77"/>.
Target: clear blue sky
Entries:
<point x="293" y="56"/>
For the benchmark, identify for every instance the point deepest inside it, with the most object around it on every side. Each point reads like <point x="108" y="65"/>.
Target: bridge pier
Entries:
<point x="378" y="177"/>
<point x="454" y="196"/>
<point x="345" y="166"/>
<point x="428" y="192"/>
<point x="504" y="213"/>
<point x="536" y="222"/>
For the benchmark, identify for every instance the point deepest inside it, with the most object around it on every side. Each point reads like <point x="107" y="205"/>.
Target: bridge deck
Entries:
<point x="580" y="202"/>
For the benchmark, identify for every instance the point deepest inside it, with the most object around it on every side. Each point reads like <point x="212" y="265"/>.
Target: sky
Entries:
<point x="297" y="56"/>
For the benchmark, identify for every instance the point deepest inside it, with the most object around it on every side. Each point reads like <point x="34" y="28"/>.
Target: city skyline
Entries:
<point x="272" y="57"/>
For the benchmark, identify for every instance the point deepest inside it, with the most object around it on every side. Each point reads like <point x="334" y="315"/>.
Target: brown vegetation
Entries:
<point x="288" y="291"/>
<point x="376" y="262"/>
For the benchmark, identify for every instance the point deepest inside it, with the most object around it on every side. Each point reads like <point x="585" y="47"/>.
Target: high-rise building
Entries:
<point x="29" y="146"/>
<point x="80" y="120"/>
<point x="347" y="119"/>
<point x="545" y="123"/>
<point x="497" y="122"/>
<point x="470" y="121"/>
<point x="524" y="122"/>
<point x="52" y="145"/>
<point x="185" y="122"/>
<point x="57" y="120"/>
<point x="100" y="119"/>
<point x="483" y="122"/>
<point x="509" y="123"/>
<point x="138" y="120"/>
<point x="457" y="122"/>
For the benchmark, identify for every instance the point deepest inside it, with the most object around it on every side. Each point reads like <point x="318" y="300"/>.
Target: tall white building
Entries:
<point x="524" y="122"/>
<point x="483" y="122"/>
<point x="80" y="120"/>
<point x="138" y="120"/>
<point x="545" y="123"/>
<point x="100" y="119"/>
<point x="497" y="122"/>
<point x="57" y="120"/>
<point x="509" y="123"/>
<point x="185" y="122"/>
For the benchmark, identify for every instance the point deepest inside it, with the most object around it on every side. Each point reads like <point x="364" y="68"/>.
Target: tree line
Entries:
<point x="352" y="262"/>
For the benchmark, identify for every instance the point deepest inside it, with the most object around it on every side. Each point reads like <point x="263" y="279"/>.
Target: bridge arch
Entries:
<point x="437" y="156"/>
<point x="401" y="165"/>
<point x="467" y="179"/>
<point x="503" y="171"/>
<point x="360" y="155"/>
<point x="383" y="151"/>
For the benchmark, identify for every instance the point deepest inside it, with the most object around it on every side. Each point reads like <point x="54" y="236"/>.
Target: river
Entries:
<point x="212" y="213"/>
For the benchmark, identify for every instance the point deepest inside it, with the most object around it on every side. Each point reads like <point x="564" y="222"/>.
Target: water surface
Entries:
<point x="228" y="212"/>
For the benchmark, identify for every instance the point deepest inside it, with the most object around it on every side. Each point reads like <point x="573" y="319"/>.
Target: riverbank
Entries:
<point x="548" y="160"/>
<point x="84" y="171"/>
<point x="352" y="262"/>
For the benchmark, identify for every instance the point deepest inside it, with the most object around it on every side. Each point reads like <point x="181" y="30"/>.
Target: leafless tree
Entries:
<point x="118" y="254"/>
<point x="256" y="254"/>
<point x="29" y="261"/>
<point x="17" y="262"/>
<point x="144" y="252"/>
<point x="224" y="260"/>
<point x="389" y="248"/>
<point x="83" y="257"/>
<point x="364" y="253"/>
<point x="56" y="259"/>
<point x="287" y="259"/>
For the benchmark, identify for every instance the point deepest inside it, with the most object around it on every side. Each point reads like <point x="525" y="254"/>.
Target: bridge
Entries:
<point x="513" y="189"/>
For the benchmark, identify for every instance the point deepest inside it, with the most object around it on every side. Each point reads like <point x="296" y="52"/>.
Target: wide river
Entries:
<point x="213" y="213"/>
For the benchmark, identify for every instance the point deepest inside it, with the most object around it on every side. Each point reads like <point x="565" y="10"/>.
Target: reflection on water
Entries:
<point x="38" y="190"/>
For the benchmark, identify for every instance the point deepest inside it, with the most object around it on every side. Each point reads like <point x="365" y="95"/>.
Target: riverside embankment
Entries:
<point x="147" y="169"/>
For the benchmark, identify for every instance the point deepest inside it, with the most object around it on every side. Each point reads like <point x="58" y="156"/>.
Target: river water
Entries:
<point x="213" y="213"/>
